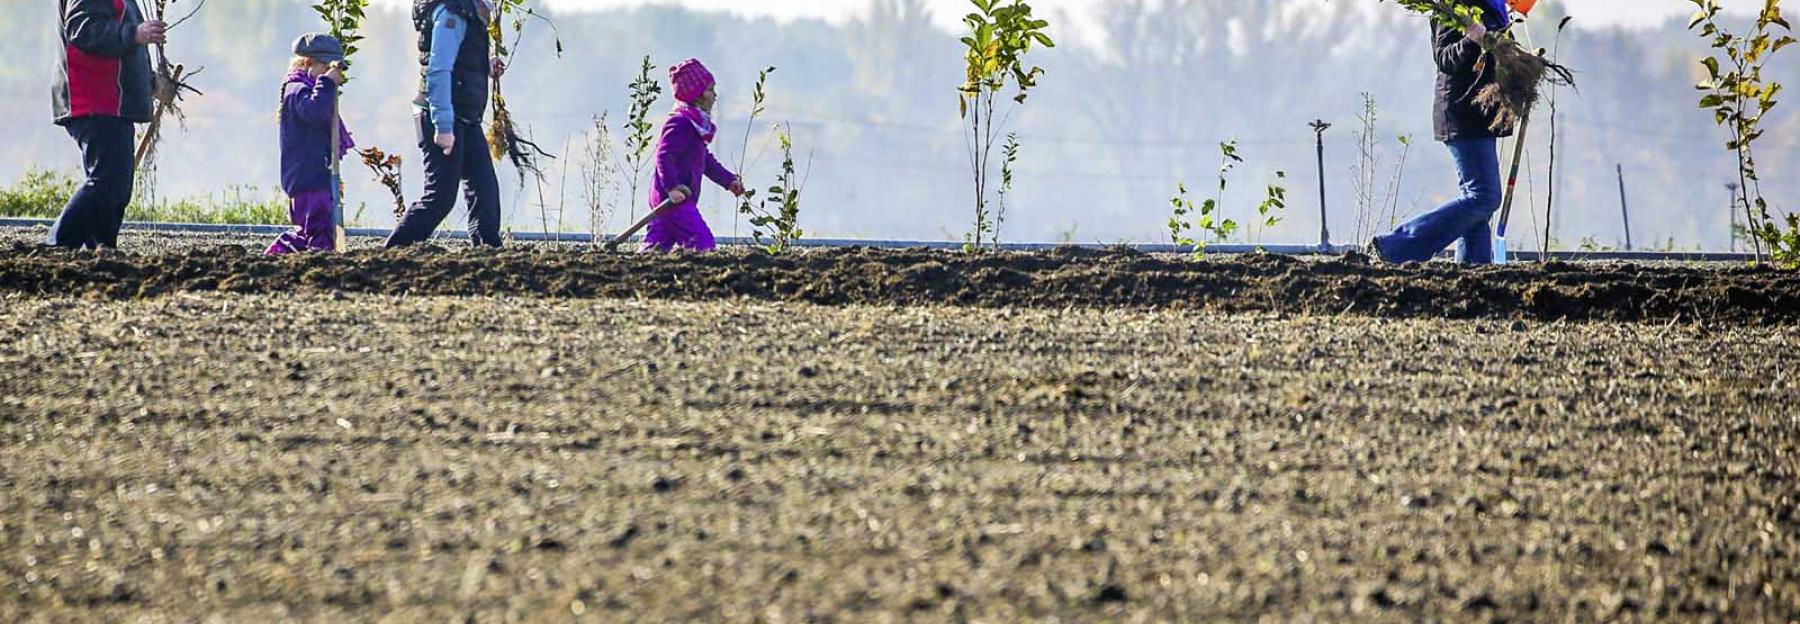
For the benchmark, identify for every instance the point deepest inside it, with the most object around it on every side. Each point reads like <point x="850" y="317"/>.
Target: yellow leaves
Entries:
<point x="1739" y="97"/>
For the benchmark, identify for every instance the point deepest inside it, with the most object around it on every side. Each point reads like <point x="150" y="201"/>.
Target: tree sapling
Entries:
<point x="1739" y="97"/>
<point x="1001" y="34"/>
<point x="776" y="226"/>
<point x="640" y="134"/>
<point x="503" y="135"/>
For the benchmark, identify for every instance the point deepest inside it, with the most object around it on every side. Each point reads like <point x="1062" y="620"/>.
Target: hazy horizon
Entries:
<point x="1117" y="124"/>
<point x="1631" y="13"/>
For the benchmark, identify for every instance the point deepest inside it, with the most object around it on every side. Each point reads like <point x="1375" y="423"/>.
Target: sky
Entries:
<point x="1077" y="18"/>
<point x="1628" y="13"/>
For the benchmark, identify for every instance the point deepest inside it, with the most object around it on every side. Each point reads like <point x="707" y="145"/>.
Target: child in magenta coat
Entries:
<point x="682" y="160"/>
<point x="308" y="97"/>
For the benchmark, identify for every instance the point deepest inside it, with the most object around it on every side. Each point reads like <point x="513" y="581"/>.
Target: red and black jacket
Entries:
<point x="104" y="72"/>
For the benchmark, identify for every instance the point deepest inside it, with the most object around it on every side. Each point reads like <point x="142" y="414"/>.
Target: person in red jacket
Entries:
<point x="102" y="88"/>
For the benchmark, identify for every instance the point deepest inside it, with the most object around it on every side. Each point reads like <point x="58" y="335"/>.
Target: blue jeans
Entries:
<point x="1464" y="219"/>
<point x="95" y="212"/>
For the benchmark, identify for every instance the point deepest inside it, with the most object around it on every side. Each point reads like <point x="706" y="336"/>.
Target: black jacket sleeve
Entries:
<point x="1454" y="52"/>
<point x="93" y="27"/>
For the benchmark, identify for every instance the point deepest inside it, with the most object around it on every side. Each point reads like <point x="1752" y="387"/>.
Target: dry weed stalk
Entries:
<point x="386" y="168"/>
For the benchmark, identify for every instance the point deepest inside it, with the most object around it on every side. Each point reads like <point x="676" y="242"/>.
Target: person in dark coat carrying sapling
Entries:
<point x="456" y="61"/>
<point x="1469" y="130"/>
<point x="308" y="97"/>
<point x="102" y="88"/>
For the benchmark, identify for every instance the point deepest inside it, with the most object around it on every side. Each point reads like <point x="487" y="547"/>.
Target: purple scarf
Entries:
<point x="702" y="121"/>
<point x="305" y="78"/>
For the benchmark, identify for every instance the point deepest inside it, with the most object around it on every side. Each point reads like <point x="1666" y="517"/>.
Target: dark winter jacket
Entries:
<point x="1455" y="114"/>
<point x="306" y="109"/>
<point x="103" y="71"/>
<point x="469" y="79"/>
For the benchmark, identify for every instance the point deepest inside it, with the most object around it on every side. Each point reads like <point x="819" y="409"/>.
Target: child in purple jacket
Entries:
<point x="682" y="159"/>
<point x="308" y="97"/>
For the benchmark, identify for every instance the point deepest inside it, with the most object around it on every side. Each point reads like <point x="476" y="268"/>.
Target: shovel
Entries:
<point x="1512" y="187"/>
<point x="644" y="222"/>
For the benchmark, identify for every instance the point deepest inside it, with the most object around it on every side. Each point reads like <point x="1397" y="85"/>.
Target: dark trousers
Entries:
<point x="470" y="166"/>
<point x="97" y="209"/>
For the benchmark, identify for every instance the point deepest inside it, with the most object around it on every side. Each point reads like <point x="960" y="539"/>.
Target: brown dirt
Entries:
<point x="353" y="457"/>
<point x="197" y="433"/>
<point x="1058" y="279"/>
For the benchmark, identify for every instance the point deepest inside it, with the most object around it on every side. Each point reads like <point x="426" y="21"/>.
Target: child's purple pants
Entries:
<point x="680" y="228"/>
<point x="311" y="213"/>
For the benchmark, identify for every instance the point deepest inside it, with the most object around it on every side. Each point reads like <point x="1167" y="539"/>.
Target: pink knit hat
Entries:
<point x="691" y="80"/>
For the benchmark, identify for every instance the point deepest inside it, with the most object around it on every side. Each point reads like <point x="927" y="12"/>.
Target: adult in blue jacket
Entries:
<point x="102" y="88"/>
<point x="456" y="63"/>
<point x="1469" y="130"/>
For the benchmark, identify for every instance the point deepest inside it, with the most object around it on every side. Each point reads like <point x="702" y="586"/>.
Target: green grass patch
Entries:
<point x="41" y="194"/>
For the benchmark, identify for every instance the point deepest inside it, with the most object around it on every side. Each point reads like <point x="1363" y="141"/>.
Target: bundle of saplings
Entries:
<point x="169" y="85"/>
<point x="503" y="135"/>
<point x="1519" y="74"/>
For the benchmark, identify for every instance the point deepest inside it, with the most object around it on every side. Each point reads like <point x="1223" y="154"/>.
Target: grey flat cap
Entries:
<point x="319" y="47"/>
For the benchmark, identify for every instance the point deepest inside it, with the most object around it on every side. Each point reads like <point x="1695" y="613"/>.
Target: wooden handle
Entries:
<point x="641" y="224"/>
<point x="1512" y="178"/>
<point x="340" y="237"/>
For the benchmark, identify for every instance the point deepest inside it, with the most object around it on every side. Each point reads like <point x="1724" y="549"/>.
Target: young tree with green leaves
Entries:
<point x="640" y="132"/>
<point x="759" y="94"/>
<point x="1001" y="34"/>
<point x="1210" y="211"/>
<point x="343" y="19"/>
<point x="1010" y="157"/>
<point x="1269" y="212"/>
<point x="1740" y="97"/>
<point x="776" y="226"/>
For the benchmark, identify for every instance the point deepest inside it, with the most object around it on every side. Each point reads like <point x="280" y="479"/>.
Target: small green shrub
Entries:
<point x="1211" y="225"/>
<point x="41" y="194"/>
<point x="238" y="205"/>
<point x="1269" y="212"/>
<point x="776" y="226"/>
<point x="1210" y="211"/>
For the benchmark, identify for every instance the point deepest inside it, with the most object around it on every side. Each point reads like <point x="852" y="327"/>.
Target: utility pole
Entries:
<point x="1731" y="209"/>
<point x="1319" y="127"/>
<point x="1624" y="206"/>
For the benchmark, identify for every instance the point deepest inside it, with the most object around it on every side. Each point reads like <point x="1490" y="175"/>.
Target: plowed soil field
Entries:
<point x="194" y="433"/>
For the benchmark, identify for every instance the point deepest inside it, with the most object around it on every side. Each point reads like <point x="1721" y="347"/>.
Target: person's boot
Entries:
<point x="1376" y="249"/>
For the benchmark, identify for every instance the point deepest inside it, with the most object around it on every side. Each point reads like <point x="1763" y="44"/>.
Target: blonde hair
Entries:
<point x="299" y="62"/>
